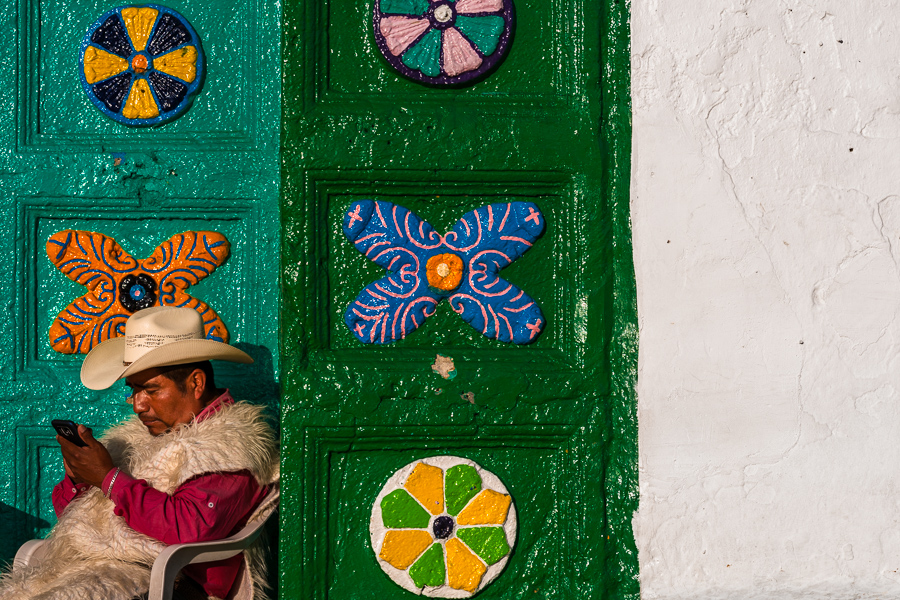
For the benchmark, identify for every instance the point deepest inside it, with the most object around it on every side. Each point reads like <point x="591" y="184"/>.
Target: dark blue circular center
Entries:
<point x="137" y="291"/>
<point x="442" y="527"/>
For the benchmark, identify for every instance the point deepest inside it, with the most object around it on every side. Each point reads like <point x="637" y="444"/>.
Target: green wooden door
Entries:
<point x="64" y="165"/>
<point x="554" y="420"/>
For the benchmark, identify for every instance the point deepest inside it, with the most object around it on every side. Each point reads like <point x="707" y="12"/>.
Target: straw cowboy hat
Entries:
<point x="154" y="337"/>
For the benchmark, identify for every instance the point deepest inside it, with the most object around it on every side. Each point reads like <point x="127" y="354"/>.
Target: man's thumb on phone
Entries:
<point x="86" y="434"/>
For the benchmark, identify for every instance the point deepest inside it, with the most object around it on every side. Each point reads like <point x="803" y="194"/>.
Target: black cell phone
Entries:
<point x="69" y="430"/>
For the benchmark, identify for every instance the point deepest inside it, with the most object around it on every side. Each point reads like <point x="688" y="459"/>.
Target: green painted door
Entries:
<point x="553" y="420"/>
<point x="64" y="165"/>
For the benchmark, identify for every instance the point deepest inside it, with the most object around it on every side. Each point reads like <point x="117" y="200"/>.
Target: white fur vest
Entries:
<point x="93" y="553"/>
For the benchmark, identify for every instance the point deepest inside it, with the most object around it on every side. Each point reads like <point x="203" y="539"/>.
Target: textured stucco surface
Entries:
<point x="766" y="216"/>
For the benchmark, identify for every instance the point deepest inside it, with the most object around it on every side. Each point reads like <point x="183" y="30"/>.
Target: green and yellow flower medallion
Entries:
<point x="443" y="527"/>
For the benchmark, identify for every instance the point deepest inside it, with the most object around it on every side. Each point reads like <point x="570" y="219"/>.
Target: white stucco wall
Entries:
<point x="766" y="217"/>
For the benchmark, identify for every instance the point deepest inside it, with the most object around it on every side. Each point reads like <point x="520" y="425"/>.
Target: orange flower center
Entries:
<point x="139" y="63"/>
<point x="444" y="271"/>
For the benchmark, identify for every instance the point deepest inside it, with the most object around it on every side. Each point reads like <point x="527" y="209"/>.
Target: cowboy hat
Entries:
<point x="159" y="336"/>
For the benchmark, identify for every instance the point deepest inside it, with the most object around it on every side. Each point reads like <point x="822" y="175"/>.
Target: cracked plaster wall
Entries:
<point x="766" y="219"/>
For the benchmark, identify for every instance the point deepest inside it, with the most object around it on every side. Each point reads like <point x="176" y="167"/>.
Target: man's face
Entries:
<point x="159" y="403"/>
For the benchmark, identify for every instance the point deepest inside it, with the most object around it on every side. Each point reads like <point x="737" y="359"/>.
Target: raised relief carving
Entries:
<point x="443" y="527"/>
<point x="426" y="267"/>
<point x="141" y="65"/>
<point x="443" y="42"/>
<point x="118" y="285"/>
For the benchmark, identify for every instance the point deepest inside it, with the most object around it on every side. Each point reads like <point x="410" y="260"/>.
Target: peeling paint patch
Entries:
<point x="443" y="366"/>
<point x="468" y="397"/>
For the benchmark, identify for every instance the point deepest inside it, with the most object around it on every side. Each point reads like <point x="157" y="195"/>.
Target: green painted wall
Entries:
<point x="63" y="165"/>
<point x="555" y="420"/>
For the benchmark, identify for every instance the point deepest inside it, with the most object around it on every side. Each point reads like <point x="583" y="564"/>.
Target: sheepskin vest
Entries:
<point x="96" y="549"/>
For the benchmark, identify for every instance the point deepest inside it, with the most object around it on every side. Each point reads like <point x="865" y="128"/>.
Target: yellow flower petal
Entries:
<point x="139" y="22"/>
<point x="402" y="547"/>
<point x="487" y="508"/>
<point x="100" y="64"/>
<point x="464" y="570"/>
<point x="140" y="104"/>
<point x="181" y="63"/>
<point x="426" y="483"/>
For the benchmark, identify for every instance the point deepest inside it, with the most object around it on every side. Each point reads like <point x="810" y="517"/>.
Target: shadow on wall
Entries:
<point x="260" y="387"/>
<point x="272" y="544"/>
<point x="16" y="528"/>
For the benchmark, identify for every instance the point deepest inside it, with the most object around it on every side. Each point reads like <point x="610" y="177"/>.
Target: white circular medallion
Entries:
<point x="443" y="527"/>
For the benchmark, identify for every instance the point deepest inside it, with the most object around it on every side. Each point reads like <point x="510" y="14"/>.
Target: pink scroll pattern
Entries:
<point x="487" y="239"/>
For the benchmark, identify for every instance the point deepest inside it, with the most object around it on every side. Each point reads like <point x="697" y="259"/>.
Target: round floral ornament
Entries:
<point x="141" y="65"/>
<point x="443" y="527"/>
<point x="443" y="42"/>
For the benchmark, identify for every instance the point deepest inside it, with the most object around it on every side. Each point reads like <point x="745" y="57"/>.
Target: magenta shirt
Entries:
<point x="208" y="507"/>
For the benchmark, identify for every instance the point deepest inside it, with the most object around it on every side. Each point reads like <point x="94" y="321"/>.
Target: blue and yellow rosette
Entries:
<point x="141" y="65"/>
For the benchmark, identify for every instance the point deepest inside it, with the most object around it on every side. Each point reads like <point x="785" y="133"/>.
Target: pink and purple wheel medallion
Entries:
<point x="443" y="42"/>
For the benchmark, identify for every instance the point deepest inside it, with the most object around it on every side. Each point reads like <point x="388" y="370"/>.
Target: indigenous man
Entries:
<point x="191" y="465"/>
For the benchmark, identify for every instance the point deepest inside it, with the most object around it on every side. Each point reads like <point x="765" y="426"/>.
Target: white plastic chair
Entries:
<point x="29" y="553"/>
<point x="177" y="556"/>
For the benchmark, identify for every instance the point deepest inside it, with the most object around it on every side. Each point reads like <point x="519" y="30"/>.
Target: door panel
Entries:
<point x="226" y="115"/>
<point x="64" y="165"/>
<point x="554" y="419"/>
<point x="529" y="78"/>
<point x="354" y="466"/>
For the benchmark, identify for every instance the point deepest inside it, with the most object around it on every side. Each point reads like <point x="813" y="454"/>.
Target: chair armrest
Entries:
<point x="177" y="556"/>
<point x="29" y="554"/>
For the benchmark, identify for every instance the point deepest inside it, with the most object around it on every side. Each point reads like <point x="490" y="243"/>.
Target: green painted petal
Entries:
<point x="484" y="32"/>
<point x="404" y="7"/>
<point x="487" y="542"/>
<point x="399" y="510"/>
<point x="461" y="484"/>
<point x="425" y="56"/>
<point x="429" y="569"/>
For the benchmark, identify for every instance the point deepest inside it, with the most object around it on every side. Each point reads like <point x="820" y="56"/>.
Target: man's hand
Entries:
<point x="88" y="464"/>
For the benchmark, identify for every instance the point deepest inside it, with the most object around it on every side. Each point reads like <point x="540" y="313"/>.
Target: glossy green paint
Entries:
<point x="429" y="569"/>
<point x="400" y="510"/>
<point x="63" y="165"/>
<point x="489" y="543"/>
<point x="555" y="420"/>
<point x="461" y="484"/>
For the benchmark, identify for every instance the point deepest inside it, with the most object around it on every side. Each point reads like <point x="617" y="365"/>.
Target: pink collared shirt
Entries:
<point x="208" y="507"/>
